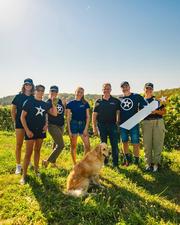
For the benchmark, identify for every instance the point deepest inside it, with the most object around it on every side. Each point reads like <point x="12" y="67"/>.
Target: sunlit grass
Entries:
<point x="130" y="196"/>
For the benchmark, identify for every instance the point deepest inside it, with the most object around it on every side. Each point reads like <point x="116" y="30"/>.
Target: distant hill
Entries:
<point x="8" y="99"/>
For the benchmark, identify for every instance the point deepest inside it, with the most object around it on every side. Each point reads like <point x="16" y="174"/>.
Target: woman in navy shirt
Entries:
<point x="34" y="121"/>
<point x="17" y="103"/>
<point x="55" y="127"/>
<point x="78" y="121"/>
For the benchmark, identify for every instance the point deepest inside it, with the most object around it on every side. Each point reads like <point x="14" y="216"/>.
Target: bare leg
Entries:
<point x="29" y="150"/>
<point x="85" y="140"/>
<point x="125" y="147"/>
<point x="37" y="148"/>
<point x="19" y="142"/>
<point x="73" y="148"/>
<point x="136" y="150"/>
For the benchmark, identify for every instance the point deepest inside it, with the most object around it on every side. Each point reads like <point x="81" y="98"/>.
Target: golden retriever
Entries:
<point x="87" y="170"/>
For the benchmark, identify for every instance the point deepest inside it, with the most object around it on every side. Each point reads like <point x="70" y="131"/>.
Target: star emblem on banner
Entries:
<point x="59" y="109"/>
<point x="126" y="104"/>
<point x="39" y="111"/>
<point x="163" y="99"/>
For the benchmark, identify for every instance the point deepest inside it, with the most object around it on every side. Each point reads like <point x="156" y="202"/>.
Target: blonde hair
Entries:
<point x="106" y="84"/>
<point x="83" y="98"/>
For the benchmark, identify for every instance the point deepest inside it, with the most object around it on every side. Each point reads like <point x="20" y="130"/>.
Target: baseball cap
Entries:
<point x="54" y="88"/>
<point x="149" y="85"/>
<point x="28" y="81"/>
<point x="124" y="83"/>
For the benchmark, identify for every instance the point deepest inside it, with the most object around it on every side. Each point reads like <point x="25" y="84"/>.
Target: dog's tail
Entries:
<point x="76" y="193"/>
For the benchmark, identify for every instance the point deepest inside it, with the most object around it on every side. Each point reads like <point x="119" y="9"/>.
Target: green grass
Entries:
<point x="130" y="196"/>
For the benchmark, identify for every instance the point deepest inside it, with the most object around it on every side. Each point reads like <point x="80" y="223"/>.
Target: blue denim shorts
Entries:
<point x="133" y="133"/>
<point x="77" y="127"/>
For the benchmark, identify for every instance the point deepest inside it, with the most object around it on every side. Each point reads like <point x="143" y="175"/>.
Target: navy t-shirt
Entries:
<point x="18" y="101"/>
<point x="153" y="116"/>
<point x="59" y="119"/>
<point x="36" y="114"/>
<point x="78" y="109"/>
<point x="130" y="105"/>
<point x="106" y="110"/>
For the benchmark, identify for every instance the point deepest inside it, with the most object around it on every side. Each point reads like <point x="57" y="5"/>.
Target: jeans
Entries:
<point x="111" y="131"/>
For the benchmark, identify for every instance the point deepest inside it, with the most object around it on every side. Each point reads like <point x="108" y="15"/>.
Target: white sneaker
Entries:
<point x="22" y="181"/>
<point x="155" y="168"/>
<point x="18" y="169"/>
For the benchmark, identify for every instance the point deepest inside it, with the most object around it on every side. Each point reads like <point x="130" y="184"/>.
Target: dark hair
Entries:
<point x="23" y="90"/>
<point x="39" y="86"/>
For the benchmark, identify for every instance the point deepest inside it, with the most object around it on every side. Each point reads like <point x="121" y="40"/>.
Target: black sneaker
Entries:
<point x="149" y="168"/>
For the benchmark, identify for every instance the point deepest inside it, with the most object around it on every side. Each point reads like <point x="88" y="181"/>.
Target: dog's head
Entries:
<point x="103" y="148"/>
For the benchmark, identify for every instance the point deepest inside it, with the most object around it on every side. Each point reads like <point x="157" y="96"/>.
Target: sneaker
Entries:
<point x="22" y="181"/>
<point x="148" y="168"/>
<point x="18" y="169"/>
<point x="38" y="174"/>
<point x="155" y="168"/>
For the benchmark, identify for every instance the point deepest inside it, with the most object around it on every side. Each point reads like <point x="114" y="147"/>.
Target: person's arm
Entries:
<point x="142" y="102"/>
<point x="94" y="123"/>
<point x="46" y="124"/>
<point x="117" y="117"/>
<point x="68" y="118"/>
<point x="13" y="112"/>
<point x="53" y="110"/>
<point x="23" y="121"/>
<point x="160" y="112"/>
<point x="85" y="132"/>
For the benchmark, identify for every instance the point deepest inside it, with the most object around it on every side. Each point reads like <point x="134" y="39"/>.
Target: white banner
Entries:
<point x="143" y="113"/>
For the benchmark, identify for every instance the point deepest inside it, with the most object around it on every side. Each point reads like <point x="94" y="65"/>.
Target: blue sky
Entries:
<point x="88" y="42"/>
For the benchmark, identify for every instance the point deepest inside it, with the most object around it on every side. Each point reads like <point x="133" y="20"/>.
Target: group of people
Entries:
<point x="33" y="117"/>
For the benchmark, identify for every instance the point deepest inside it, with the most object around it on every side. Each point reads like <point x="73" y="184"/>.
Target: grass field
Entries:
<point x="130" y="196"/>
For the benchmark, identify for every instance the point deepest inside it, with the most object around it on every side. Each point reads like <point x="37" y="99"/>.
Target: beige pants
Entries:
<point x="153" y="138"/>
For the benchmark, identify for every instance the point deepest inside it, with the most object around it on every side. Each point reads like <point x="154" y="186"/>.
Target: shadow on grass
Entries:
<point x="109" y="205"/>
<point x="165" y="182"/>
<point x="137" y="210"/>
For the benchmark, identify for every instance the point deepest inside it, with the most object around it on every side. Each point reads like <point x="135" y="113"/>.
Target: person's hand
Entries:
<point x="29" y="133"/>
<point x="45" y="127"/>
<point x="85" y="132"/>
<point x="154" y="112"/>
<point x="95" y="131"/>
<point x="70" y="134"/>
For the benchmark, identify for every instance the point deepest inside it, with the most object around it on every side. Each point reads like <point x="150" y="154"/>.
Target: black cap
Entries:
<point x="28" y="81"/>
<point x="149" y="85"/>
<point x="54" y="88"/>
<point x="124" y="83"/>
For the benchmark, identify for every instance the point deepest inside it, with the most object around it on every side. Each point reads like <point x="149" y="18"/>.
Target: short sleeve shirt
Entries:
<point x="153" y="116"/>
<point x="130" y="105"/>
<point x="18" y="101"/>
<point x="59" y="119"/>
<point x="36" y="114"/>
<point x="78" y="109"/>
<point x="106" y="110"/>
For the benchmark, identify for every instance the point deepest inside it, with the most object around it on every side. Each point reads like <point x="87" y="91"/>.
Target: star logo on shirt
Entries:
<point x="39" y="111"/>
<point x="126" y="104"/>
<point x="59" y="109"/>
